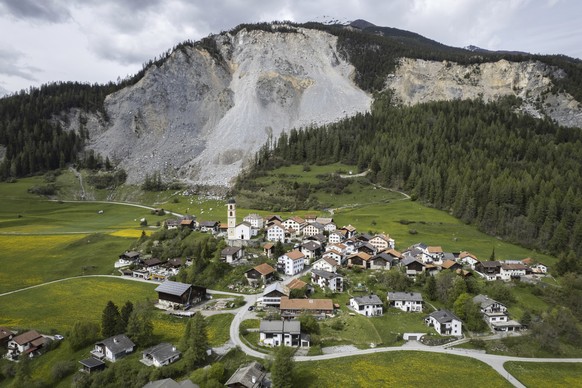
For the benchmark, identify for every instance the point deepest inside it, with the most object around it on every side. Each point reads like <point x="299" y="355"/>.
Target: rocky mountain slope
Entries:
<point x="202" y="114"/>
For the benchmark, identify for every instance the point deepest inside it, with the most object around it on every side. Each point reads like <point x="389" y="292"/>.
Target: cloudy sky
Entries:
<point x="100" y="40"/>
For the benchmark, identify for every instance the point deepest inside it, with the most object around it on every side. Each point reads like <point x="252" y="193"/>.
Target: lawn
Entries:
<point x="219" y="328"/>
<point x="533" y="374"/>
<point x="398" y="369"/>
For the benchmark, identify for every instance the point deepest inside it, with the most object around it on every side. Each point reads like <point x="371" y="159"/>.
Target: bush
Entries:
<point x="412" y="231"/>
<point x="62" y="369"/>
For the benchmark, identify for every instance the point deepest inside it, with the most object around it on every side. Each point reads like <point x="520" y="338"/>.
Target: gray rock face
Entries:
<point x="200" y="120"/>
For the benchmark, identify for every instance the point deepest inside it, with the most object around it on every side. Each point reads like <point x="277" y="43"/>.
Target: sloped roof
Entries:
<point x="264" y="269"/>
<point x="162" y="352"/>
<point x="292" y="327"/>
<point x="306" y="304"/>
<point x="91" y="362"/>
<point x="444" y="316"/>
<point x="117" y="343"/>
<point x="170" y="383"/>
<point x="26" y="337"/>
<point x="367" y="300"/>
<point x="484" y="301"/>
<point x="325" y="274"/>
<point x="295" y="255"/>
<point x="449" y="263"/>
<point x="173" y="288"/>
<point x="244" y="376"/>
<point x="274" y="287"/>
<point x="296" y="283"/>
<point x="405" y="296"/>
<point x="230" y="251"/>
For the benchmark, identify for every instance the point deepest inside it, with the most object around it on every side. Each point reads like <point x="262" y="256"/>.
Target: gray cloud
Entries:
<point x="53" y="11"/>
<point x="10" y="66"/>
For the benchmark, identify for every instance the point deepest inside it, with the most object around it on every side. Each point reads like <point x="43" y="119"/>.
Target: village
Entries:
<point x="309" y="279"/>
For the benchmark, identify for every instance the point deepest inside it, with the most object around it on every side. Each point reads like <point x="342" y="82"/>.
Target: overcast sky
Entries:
<point x="99" y="40"/>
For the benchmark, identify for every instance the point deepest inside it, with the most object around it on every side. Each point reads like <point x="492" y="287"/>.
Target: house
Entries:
<point x="209" y="226"/>
<point x="26" y="343"/>
<point x="325" y="264"/>
<point x="129" y="257"/>
<point x="313" y="229"/>
<point x="272" y="218"/>
<point x="232" y="254"/>
<point x="113" y="348"/>
<point x="325" y="279"/>
<point x="349" y="230"/>
<point x="91" y="364"/>
<point x="244" y="231"/>
<point x="5" y="335"/>
<point x="359" y="259"/>
<point x="255" y="220"/>
<point x="406" y="301"/>
<point x="176" y="295"/>
<point x="272" y="295"/>
<point x="277" y="232"/>
<point x="433" y="254"/>
<point x="365" y="247"/>
<point x="468" y="259"/>
<point x="261" y="273"/>
<point x="171" y="223"/>
<point x="382" y="261"/>
<point x="369" y="305"/>
<point x="311" y="250"/>
<point x="539" y="268"/>
<point x="287" y="333"/>
<point x="511" y="271"/>
<point x="490" y="270"/>
<point x="382" y="242"/>
<point x="445" y="323"/>
<point x="251" y="375"/>
<point x="336" y="237"/>
<point x="298" y="284"/>
<point x="171" y="383"/>
<point x="268" y="249"/>
<point x="451" y="265"/>
<point x="296" y="223"/>
<point x="188" y="224"/>
<point x="413" y="266"/>
<point x="291" y="308"/>
<point x="160" y="355"/>
<point x="293" y="262"/>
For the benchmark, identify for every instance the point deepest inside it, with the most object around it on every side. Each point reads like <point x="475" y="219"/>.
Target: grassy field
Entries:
<point x="398" y="369"/>
<point x="533" y="374"/>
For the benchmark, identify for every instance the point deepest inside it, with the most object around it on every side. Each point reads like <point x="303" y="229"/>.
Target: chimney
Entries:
<point x="115" y="340"/>
<point x="253" y="379"/>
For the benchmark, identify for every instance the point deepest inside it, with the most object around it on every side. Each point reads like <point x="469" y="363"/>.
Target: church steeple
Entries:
<point x="231" y="217"/>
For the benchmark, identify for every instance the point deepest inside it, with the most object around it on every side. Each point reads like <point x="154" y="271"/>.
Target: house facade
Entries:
<point x="325" y="264"/>
<point x="26" y="343"/>
<point x="445" y="323"/>
<point x="176" y="295"/>
<point x="406" y="301"/>
<point x="160" y="355"/>
<point x="272" y="295"/>
<point x="369" y="305"/>
<point x="278" y="333"/>
<point x="293" y="262"/>
<point x="113" y="348"/>
<point x="276" y="232"/>
<point x="333" y="281"/>
<point x="292" y="308"/>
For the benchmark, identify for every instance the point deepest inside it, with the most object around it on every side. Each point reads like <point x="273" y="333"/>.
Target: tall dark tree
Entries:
<point x="109" y="319"/>
<point x="196" y="340"/>
<point x="140" y="327"/>
<point x="124" y="316"/>
<point x="282" y="367"/>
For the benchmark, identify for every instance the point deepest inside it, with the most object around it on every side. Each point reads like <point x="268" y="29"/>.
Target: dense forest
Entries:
<point x="511" y="175"/>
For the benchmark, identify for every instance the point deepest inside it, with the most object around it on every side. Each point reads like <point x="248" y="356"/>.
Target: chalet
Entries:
<point x="451" y="265"/>
<point x="326" y="264"/>
<point x="188" y="224"/>
<point x="272" y="218"/>
<point x="172" y="223"/>
<point x="113" y="348"/>
<point x="91" y="364"/>
<point x="490" y="270"/>
<point x="251" y="375"/>
<point x="413" y="266"/>
<point x="5" y="335"/>
<point x="152" y="263"/>
<point x="383" y="261"/>
<point x="366" y="247"/>
<point x="160" y="355"/>
<point x="29" y="342"/>
<point x="394" y="253"/>
<point x="433" y="254"/>
<point x="268" y="249"/>
<point x="291" y="308"/>
<point x="232" y="254"/>
<point x="176" y="295"/>
<point x="287" y="333"/>
<point x="272" y="295"/>
<point x="360" y="259"/>
<point x="331" y="280"/>
<point x="255" y="220"/>
<point x="468" y="259"/>
<point x="130" y="257"/>
<point x="318" y="238"/>
<point x="277" y="232"/>
<point x="495" y="314"/>
<point x="298" y="284"/>
<point x="209" y="226"/>
<point x="311" y="250"/>
<point x="509" y="271"/>
<point x="313" y="229"/>
<point x="328" y="224"/>
<point x="445" y="323"/>
<point x="171" y="383"/>
<point x="293" y="262"/>
<point x="406" y="301"/>
<point x="262" y="273"/>
<point x="382" y="242"/>
<point x="539" y="268"/>
<point x="369" y="305"/>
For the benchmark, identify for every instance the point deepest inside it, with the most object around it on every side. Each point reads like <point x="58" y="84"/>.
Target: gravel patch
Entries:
<point x="339" y="349"/>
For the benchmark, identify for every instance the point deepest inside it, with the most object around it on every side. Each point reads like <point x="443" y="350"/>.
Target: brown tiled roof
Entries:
<point x="448" y="264"/>
<point x="514" y="267"/>
<point x="264" y="269"/>
<point x="464" y="254"/>
<point x="394" y="253"/>
<point x="362" y="255"/>
<point x="295" y="255"/>
<point x="4" y="333"/>
<point x="528" y="261"/>
<point x="306" y="304"/>
<point x="296" y="284"/>
<point x="268" y="246"/>
<point x="328" y="260"/>
<point x="186" y="222"/>
<point x="435" y="249"/>
<point x="27" y="337"/>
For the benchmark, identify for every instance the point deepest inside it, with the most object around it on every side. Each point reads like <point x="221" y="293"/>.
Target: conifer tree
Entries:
<point x="109" y="320"/>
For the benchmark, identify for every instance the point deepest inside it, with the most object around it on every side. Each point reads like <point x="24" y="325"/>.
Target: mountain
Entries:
<point x="200" y="113"/>
<point x="3" y="92"/>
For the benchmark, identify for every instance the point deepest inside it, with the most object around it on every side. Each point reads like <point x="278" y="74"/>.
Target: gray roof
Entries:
<point x="170" y="383"/>
<point x="230" y="250"/>
<point x="311" y="245"/>
<point x="244" y="376"/>
<point x="173" y="288"/>
<point x="208" y="224"/>
<point x="325" y="274"/>
<point x="444" y="316"/>
<point x="368" y="300"/>
<point x="162" y="352"/>
<point x="484" y="301"/>
<point x="406" y="296"/>
<point x="385" y="256"/>
<point x="91" y="362"/>
<point x="409" y="260"/>
<point x="274" y="287"/>
<point x="292" y="327"/>
<point x="117" y="343"/>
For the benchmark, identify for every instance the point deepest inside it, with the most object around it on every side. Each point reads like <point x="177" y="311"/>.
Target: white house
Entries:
<point x="445" y="323"/>
<point x="327" y="223"/>
<point x="26" y="343"/>
<point x="511" y="271"/>
<point x="331" y="280"/>
<point x="406" y="301"/>
<point x="293" y="262"/>
<point x="277" y="333"/>
<point x="295" y="223"/>
<point x="232" y="254"/>
<point x="255" y="220"/>
<point x="113" y="348"/>
<point x="369" y="305"/>
<point x="276" y="232"/>
<point x="469" y="259"/>
<point x="313" y="229"/>
<point x="160" y="355"/>
<point x="310" y="249"/>
<point x="382" y="242"/>
<point x="336" y="237"/>
<point x="244" y="231"/>
<point x="325" y="264"/>
<point x="272" y="295"/>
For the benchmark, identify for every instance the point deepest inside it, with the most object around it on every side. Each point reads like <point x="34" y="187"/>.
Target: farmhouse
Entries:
<point x="252" y="375"/>
<point x="287" y="333"/>
<point x="113" y="348"/>
<point x="209" y="226"/>
<point x="382" y="242"/>
<point x="176" y="295"/>
<point x="255" y="220"/>
<point x="310" y="249"/>
<point x="325" y="279"/>
<point x="495" y="314"/>
<point x="261" y="273"/>
<point x="383" y="260"/>
<point x="291" y="308"/>
<point x="326" y="264"/>
<point x="490" y="270"/>
<point x="510" y="271"/>
<point x="445" y="323"/>
<point x="369" y="305"/>
<point x="406" y="301"/>
<point x="232" y="254"/>
<point x="160" y="355"/>
<point x="272" y="295"/>
<point x="277" y="232"/>
<point x="26" y="343"/>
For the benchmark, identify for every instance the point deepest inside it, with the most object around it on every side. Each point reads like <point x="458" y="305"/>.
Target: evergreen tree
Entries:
<point x="282" y="368"/>
<point x="197" y="341"/>
<point x="82" y="334"/>
<point x="109" y="320"/>
<point x="430" y="288"/>
<point x="124" y="316"/>
<point x="140" y="327"/>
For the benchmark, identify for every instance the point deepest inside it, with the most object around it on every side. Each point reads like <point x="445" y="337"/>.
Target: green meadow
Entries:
<point x="534" y="374"/>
